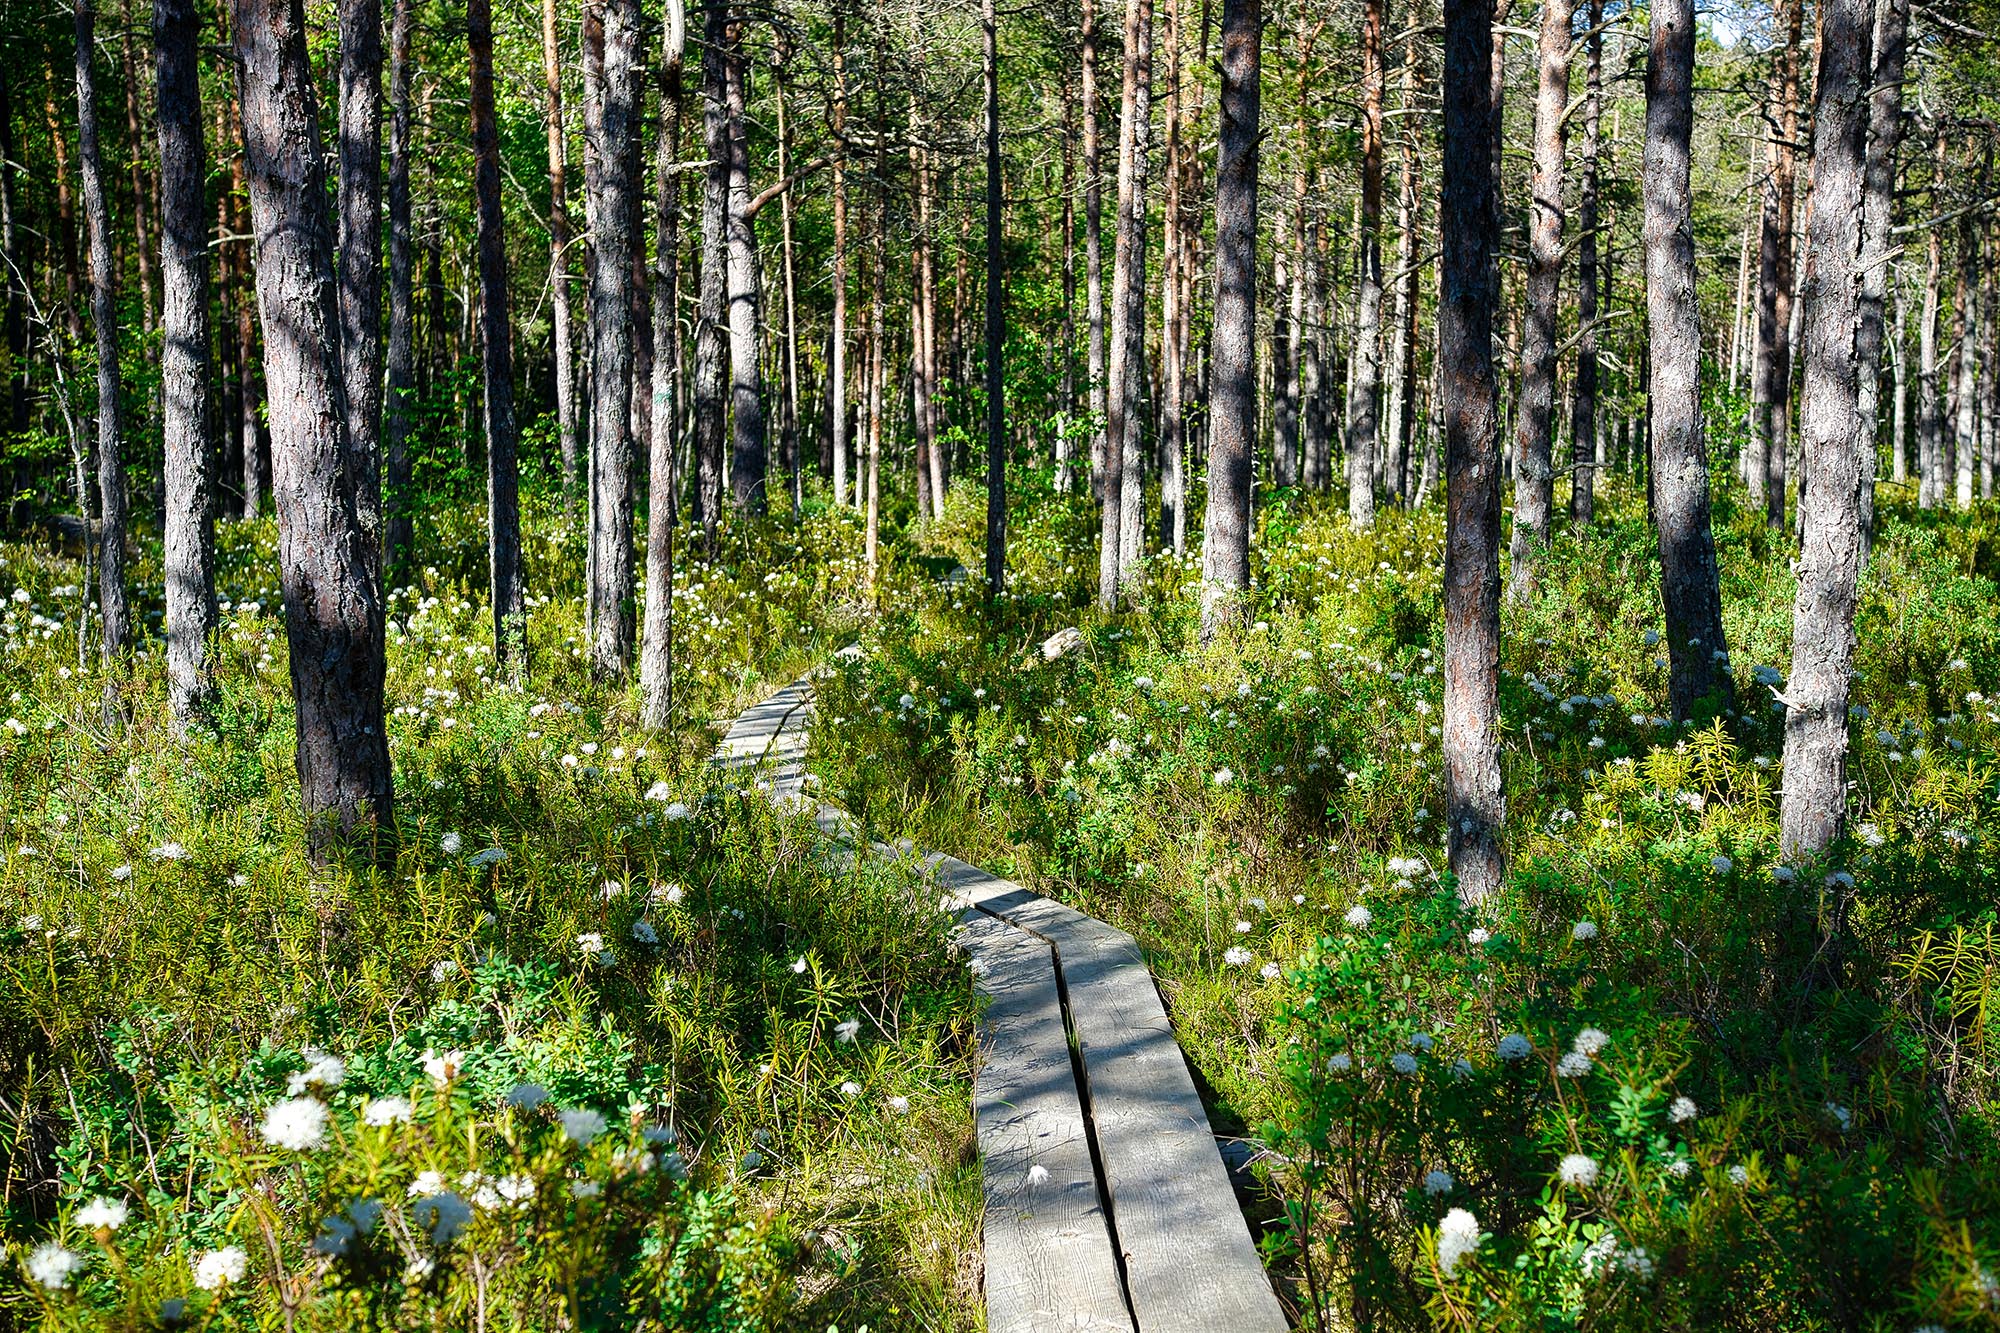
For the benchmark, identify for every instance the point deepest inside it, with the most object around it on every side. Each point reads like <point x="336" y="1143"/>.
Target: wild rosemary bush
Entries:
<point x="611" y="1045"/>
<point x="1664" y="1079"/>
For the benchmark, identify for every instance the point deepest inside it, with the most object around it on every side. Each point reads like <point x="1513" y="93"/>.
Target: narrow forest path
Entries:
<point x="1108" y="1206"/>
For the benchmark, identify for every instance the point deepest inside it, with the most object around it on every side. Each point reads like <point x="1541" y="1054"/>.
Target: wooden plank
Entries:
<point x="1049" y="1259"/>
<point x="1147" y="1234"/>
<point x="1189" y="1260"/>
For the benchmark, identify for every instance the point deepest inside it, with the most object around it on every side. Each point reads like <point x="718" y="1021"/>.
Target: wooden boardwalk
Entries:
<point x="1107" y="1202"/>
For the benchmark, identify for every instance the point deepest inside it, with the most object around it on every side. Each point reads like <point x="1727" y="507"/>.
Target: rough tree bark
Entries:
<point x="1930" y="408"/>
<point x="184" y="362"/>
<point x="837" y="378"/>
<point x="333" y="607"/>
<point x="1834" y="434"/>
<point x="996" y="329"/>
<point x="1093" y="248"/>
<point x="115" y="618"/>
<point x="1225" y="553"/>
<point x="1534" y="469"/>
<point x="559" y="243"/>
<point x="503" y="498"/>
<point x="1475" y="805"/>
<point x="656" y="648"/>
<point x="1771" y="389"/>
<point x="1689" y="589"/>
<point x="360" y="255"/>
<point x="1585" y="449"/>
<point x="399" y="407"/>
<point x="16" y="270"/>
<point x="1885" y="129"/>
<point x="1365" y="386"/>
<point x="1124" y="487"/>
<point x="1399" y="370"/>
<point x="1965" y="322"/>
<point x="711" y="338"/>
<point x="611" y="119"/>
<point x="746" y="292"/>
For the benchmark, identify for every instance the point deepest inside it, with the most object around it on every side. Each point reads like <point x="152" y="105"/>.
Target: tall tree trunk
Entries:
<point x="1835" y="433"/>
<point x="656" y="649"/>
<point x="1771" y="392"/>
<point x="1899" y="446"/>
<point x="1284" y="371"/>
<point x="503" y="502"/>
<point x="1225" y="550"/>
<point x="1930" y="406"/>
<point x="1124" y="484"/>
<point x="1093" y="250"/>
<point x="1400" y="369"/>
<point x="399" y="409"/>
<point x="1689" y="588"/>
<point x="116" y="620"/>
<point x="927" y="199"/>
<point x="1364" y="391"/>
<point x="1475" y="805"/>
<point x="996" y="329"/>
<point x="611" y="119"/>
<point x="1586" y="449"/>
<point x="878" y="300"/>
<point x="1885" y="128"/>
<point x="921" y="388"/>
<point x="256" y="473"/>
<point x="1965" y="321"/>
<point x="711" y="327"/>
<point x="559" y="244"/>
<point x="789" y="364"/>
<point x="746" y="294"/>
<point x="1534" y="470"/>
<point x="1064" y="473"/>
<point x="184" y="362"/>
<point x="142" y="227"/>
<point x="360" y="253"/>
<point x="333" y="606"/>
<point x="837" y="380"/>
<point x="1172" y="426"/>
<point x="15" y="263"/>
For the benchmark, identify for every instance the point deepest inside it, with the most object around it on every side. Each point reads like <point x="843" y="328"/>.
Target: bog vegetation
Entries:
<point x="1468" y="531"/>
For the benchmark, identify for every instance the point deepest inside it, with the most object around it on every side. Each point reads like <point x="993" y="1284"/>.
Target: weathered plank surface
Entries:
<point x="1050" y="1262"/>
<point x="1189" y="1261"/>
<point x="1108" y="1204"/>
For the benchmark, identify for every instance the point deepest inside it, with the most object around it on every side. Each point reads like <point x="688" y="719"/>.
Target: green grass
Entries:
<point x="170" y="962"/>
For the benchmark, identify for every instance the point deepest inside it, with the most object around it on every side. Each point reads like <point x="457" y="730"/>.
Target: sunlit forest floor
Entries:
<point x="617" y="1046"/>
